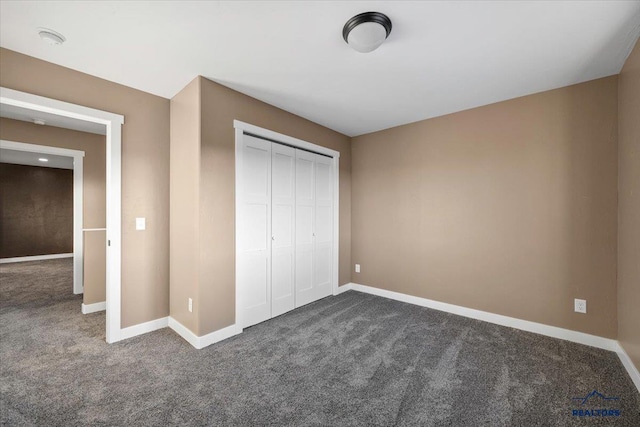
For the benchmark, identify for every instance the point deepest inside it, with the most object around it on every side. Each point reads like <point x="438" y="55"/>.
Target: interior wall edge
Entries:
<point x="628" y="266"/>
<point x="200" y="342"/>
<point x="184" y="187"/>
<point x="629" y="365"/>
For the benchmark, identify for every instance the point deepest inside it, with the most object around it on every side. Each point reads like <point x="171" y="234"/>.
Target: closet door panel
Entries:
<point x="305" y="216"/>
<point x="304" y="254"/>
<point x="322" y="272"/>
<point x="254" y="231"/>
<point x="324" y="183"/>
<point x="283" y="229"/>
<point x="304" y="227"/>
<point x="256" y="227"/>
<point x="324" y="224"/>
<point x="304" y="278"/>
<point x="282" y="278"/>
<point x="323" y="227"/>
<point x="304" y="178"/>
<point x="256" y="176"/>
<point x="255" y="270"/>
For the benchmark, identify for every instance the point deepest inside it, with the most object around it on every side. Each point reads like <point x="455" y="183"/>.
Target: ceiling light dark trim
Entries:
<point x="361" y="18"/>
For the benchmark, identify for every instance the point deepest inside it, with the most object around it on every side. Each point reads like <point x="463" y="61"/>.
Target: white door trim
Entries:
<point x="113" y="123"/>
<point x="283" y="139"/>
<point x="78" y="160"/>
<point x="240" y="129"/>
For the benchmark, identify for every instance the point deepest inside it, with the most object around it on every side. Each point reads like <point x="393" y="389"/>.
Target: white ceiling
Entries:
<point x="27" y="115"/>
<point x="441" y="57"/>
<point x="31" y="159"/>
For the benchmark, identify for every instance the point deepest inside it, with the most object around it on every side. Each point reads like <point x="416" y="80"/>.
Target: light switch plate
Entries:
<point x="357" y="268"/>
<point x="141" y="224"/>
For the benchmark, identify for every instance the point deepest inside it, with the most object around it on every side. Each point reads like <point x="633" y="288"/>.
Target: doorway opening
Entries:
<point x="19" y="153"/>
<point x="112" y="124"/>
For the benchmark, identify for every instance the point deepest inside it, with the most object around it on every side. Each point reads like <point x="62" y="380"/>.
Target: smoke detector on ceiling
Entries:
<point x="51" y="37"/>
<point x="39" y="122"/>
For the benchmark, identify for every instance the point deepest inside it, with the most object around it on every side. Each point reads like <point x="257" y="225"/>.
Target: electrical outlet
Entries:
<point x="357" y="268"/>
<point x="190" y="305"/>
<point x="580" y="305"/>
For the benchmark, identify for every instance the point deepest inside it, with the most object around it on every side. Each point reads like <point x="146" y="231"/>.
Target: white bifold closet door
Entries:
<point x="285" y="229"/>
<point x="254" y="231"/>
<point x="314" y="227"/>
<point x="282" y="228"/>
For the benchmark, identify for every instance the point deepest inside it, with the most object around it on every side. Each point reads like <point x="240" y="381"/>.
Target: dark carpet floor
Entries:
<point x="349" y="360"/>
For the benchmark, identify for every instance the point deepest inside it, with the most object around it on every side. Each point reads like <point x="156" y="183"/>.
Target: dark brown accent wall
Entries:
<point x="36" y="211"/>
<point x="629" y="207"/>
<point x="94" y="162"/>
<point x="509" y="208"/>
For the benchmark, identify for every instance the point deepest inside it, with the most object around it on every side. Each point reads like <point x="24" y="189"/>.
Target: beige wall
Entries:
<point x="95" y="266"/>
<point x="145" y="172"/>
<point x="185" y="185"/>
<point x="508" y="208"/>
<point x="629" y="206"/>
<point x="214" y="307"/>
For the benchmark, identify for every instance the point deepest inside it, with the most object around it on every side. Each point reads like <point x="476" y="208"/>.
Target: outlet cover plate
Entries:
<point x="357" y="268"/>
<point x="580" y="305"/>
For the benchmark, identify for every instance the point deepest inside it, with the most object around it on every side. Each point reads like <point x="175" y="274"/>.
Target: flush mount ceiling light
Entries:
<point x="42" y="159"/>
<point x="367" y="31"/>
<point x="50" y="36"/>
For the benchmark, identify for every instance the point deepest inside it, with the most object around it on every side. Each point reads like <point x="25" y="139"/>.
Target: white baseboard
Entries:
<point x="143" y="328"/>
<point x="629" y="366"/>
<point x="92" y="308"/>
<point x="343" y="288"/>
<point x="205" y="340"/>
<point x="34" y="258"/>
<point x="512" y="322"/>
<point x="184" y="332"/>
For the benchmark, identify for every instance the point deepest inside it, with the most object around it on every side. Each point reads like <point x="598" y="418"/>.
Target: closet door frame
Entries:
<point x="240" y="129"/>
